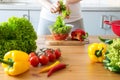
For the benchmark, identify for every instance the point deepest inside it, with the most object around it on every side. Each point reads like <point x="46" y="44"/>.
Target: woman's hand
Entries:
<point x="55" y="7"/>
<point x="61" y="9"/>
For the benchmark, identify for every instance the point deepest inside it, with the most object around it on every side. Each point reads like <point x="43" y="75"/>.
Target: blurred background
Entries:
<point x="94" y="12"/>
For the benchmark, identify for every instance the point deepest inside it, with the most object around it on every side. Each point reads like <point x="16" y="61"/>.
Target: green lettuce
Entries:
<point x="112" y="58"/>
<point x="17" y="34"/>
<point x="59" y="27"/>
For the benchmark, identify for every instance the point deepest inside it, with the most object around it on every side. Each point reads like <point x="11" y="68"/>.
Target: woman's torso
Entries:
<point x="75" y="13"/>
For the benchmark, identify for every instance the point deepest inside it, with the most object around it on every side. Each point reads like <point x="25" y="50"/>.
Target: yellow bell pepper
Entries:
<point x="15" y="62"/>
<point x="96" y="52"/>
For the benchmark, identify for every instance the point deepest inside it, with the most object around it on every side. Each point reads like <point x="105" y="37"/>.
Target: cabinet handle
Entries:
<point x="103" y="19"/>
<point x="25" y="15"/>
<point x="111" y="17"/>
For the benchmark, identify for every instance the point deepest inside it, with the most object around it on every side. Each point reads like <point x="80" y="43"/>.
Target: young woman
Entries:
<point x="50" y="10"/>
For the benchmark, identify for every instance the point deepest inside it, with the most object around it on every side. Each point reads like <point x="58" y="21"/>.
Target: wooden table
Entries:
<point x="79" y="66"/>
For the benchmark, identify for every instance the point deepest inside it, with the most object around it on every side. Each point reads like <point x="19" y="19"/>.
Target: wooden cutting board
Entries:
<point x="50" y="41"/>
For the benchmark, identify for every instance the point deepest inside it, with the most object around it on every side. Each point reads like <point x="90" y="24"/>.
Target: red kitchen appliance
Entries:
<point x="115" y="26"/>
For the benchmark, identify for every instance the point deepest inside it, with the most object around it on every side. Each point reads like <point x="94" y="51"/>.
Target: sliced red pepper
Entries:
<point x="79" y="34"/>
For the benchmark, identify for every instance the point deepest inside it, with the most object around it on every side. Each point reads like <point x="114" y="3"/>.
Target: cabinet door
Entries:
<point x="34" y="18"/>
<point x="92" y="22"/>
<point x="5" y="14"/>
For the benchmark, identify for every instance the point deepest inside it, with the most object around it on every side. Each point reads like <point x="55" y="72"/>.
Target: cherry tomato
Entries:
<point x="57" y="53"/>
<point x="32" y="54"/>
<point x="51" y="56"/>
<point x="48" y="51"/>
<point x="34" y="61"/>
<point x="43" y="59"/>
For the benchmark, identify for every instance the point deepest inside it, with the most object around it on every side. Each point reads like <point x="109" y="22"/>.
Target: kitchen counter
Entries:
<point x="79" y="66"/>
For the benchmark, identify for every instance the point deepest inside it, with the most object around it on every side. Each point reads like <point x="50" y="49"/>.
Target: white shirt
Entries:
<point x="74" y="8"/>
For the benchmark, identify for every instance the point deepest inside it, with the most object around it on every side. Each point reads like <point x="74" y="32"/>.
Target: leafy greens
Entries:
<point x="112" y="58"/>
<point x="59" y="27"/>
<point x="17" y="34"/>
<point x="64" y="11"/>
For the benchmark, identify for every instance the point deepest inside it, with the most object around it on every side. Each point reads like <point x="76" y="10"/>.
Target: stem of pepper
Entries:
<point x="10" y="63"/>
<point x="98" y="53"/>
<point x="85" y="36"/>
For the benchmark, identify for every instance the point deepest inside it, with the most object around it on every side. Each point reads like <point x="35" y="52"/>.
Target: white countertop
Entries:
<point x="31" y="6"/>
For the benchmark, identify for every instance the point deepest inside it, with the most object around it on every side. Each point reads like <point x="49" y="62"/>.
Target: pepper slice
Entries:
<point x="15" y="62"/>
<point x="96" y="52"/>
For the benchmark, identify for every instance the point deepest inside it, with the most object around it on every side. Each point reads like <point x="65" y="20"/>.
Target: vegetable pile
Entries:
<point x="17" y="34"/>
<point x="44" y="56"/>
<point x="59" y="29"/>
<point x="112" y="57"/>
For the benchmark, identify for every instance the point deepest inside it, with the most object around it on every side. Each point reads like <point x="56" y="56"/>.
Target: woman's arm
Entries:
<point x="53" y="7"/>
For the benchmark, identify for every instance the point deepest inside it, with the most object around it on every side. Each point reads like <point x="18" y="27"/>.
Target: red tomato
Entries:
<point x="34" y="61"/>
<point x="32" y="54"/>
<point x="48" y="51"/>
<point x="43" y="59"/>
<point x="51" y="57"/>
<point x="57" y="53"/>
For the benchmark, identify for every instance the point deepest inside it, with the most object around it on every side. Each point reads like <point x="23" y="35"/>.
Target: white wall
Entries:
<point x="83" y="2"/>
<point x="17" y="0"/>
<point x="99" y="2"/>
<point x="23" y="0"/>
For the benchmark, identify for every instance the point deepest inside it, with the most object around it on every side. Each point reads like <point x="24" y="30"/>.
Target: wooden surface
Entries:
<point x="68" y="42"/>
<point x="79" y="66"/>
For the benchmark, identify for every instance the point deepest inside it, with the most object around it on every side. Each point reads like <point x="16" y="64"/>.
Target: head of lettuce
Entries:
<point x="17" y="34"/>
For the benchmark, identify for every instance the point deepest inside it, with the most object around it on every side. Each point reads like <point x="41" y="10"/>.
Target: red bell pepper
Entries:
<point x="79" y="34"/>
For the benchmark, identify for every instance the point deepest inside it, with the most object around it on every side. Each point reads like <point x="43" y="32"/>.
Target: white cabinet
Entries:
<point x="5" y="14"/>
<point x="93" y="21"/>
<point x="34" y="18"/>
<point x="32" y="15"/>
